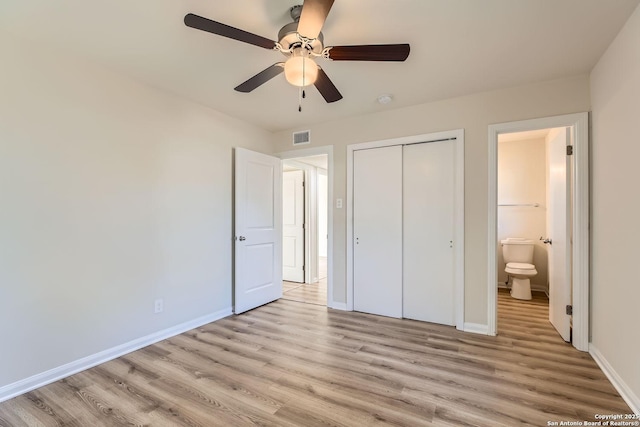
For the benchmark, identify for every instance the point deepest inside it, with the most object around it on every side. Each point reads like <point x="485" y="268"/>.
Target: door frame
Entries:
<point x="579" y="123"/>
<point x="315" y="151"/>
<point x="458" y="136"/>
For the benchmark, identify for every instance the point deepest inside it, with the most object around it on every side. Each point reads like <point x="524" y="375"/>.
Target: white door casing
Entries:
<point x="377" y="231"/>
<point x="258" y="230"/>
<point x="322" y="213"/>
<point x="558" y="231"/>
<point x="429" y="212"/>
<point x="293" y="219"/>
<point x="579" y="124"/>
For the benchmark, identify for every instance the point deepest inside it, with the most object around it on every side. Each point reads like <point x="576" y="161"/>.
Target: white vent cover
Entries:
<point x="303" y="137"/>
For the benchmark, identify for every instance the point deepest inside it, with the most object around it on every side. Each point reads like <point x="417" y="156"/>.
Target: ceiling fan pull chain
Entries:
<point x="300" y="100"/>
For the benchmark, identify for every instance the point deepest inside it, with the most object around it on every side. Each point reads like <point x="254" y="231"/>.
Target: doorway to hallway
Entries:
<point x="306" y="257"/>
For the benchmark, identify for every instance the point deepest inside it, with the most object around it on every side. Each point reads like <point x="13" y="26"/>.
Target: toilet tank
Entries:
<point x="516" y="249"/>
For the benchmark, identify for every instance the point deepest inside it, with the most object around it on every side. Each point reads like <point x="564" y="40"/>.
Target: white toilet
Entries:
<point x="518" y="255"/>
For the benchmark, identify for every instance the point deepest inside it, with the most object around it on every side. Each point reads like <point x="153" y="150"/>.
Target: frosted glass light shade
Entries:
<point x="300" y="70"/>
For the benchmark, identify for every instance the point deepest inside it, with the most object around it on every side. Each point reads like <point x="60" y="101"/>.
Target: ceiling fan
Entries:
<point x="301" y="42"/>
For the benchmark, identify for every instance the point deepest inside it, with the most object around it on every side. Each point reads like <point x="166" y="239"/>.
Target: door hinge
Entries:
<point x="569" y="310"/>
<point x="569" y="150"/>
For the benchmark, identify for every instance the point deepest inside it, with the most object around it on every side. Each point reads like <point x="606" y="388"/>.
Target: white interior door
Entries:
<point x="558" y="226"/>
<point x="429" y="211"/>
<point x="377" y="228"/>
<point x="258" y="229"/>
<point x="293" y="226"/>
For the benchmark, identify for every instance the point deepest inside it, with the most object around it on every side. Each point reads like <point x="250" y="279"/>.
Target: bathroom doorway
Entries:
<point x="306" y="218"/>
<point x="533" y="194"/>
<point x="523" y="199"/>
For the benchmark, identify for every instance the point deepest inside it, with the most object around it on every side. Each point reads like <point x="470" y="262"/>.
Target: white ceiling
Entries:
<point x="458" y="47"/>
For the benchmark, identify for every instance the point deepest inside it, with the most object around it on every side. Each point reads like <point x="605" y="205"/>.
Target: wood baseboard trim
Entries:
<point x="625" y="391"/>
<point x="23" y="386"/>
<point x="476" y="328"/>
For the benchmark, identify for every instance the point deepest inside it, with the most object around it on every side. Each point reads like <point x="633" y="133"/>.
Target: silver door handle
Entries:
<point x="546" y="241"/>
<point x="242" y="238"/>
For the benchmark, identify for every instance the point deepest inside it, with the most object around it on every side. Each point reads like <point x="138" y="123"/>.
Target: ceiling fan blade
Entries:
<point x="371" y="52"/>
<point x="261" y="78"/>
<point x="204" y="24"/>
<point x="314" y="13"/>
<point x="326" y="87"/>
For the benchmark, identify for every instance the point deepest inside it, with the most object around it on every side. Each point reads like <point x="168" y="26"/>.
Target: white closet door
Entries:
<point x="429" y="173"/>
<point x="377" y="226"/>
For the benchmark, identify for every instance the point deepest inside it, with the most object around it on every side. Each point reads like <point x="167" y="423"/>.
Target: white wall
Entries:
<point x="113" y="194"/>
<point x="474" y="113"/>
<point x="522" y="180"/>
<point x="615" y="86"/>
<point x="322" y="212"/>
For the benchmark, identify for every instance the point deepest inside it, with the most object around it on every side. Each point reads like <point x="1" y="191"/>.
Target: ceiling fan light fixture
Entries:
<point x="300" y="70"/>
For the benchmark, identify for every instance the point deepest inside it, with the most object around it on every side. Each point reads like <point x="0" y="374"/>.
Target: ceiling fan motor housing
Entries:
<point x="295" y="12"/>
<point x="288" y="38"/>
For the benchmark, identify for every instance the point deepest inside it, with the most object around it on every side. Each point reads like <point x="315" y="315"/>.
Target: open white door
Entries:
<point x="558" y="228"/>
<point x="293" y="226"/>
<point x="258" y="229"/>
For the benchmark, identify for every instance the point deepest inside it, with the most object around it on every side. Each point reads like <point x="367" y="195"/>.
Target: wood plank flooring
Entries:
<point x="310" y="293"/>
<point x="315" y="293"/>
<point x="293" y="364"/>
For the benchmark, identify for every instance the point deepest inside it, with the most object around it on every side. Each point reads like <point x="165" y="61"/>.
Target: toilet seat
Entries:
<point x="521" y="268"/>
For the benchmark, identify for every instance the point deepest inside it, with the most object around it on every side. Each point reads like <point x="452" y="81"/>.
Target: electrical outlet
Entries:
<point x="339" y="203"/>
<point x="158" y="306"/>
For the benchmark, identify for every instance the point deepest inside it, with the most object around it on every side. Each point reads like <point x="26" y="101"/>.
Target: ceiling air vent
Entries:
<point x="303" y="137"/>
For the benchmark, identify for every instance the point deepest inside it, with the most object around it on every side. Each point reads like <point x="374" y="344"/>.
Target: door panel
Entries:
<point x="377" y="226"/>
<point x="559" y="232"/>
<point x="258" y="230"/>
<point x="293" y="226"/>
<point x="429" y="173"/>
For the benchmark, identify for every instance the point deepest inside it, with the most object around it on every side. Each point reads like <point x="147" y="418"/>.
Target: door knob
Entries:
<point x="546" y="241"/>
<point x="242" y="238"/>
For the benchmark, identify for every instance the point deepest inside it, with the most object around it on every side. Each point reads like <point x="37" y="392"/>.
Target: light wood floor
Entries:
<point x="293" y="364"/>
<point x="314" y="293"/>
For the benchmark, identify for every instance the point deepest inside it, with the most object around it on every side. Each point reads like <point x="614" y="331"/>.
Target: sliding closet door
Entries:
<point x="377" y="227"/>
<point x="429" y="172"/>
